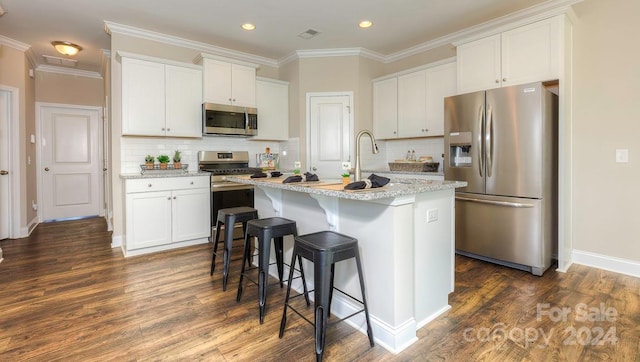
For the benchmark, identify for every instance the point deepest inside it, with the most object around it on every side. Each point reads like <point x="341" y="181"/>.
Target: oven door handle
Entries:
<point x="230" y="187"/>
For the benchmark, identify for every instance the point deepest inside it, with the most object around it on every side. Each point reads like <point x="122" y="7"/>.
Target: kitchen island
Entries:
<point x="405" y="234"/>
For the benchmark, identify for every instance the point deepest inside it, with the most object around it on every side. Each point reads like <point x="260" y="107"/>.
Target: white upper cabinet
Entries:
<point x="479" y="64"/>
<point x="385" y="108"/>
<point x="160" y="99"/>
<point x="441" y="83"/>
<point x="183" y="99"/>
<point x="229" y="83"/>
<point x="412" y="105"/>
<point x="525" y="54"/>
<point x="272" y="101"/>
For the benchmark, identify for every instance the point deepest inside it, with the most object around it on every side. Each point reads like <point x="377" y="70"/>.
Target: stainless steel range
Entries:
<point x="225" y="193"/>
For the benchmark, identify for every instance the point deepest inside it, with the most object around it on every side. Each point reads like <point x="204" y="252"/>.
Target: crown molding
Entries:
<point x="336" y="52"/>
<point x="519" y="18"/>
<point x="105" y="58"/>
<point x="116" y="28"/>
<point x="67" y="71"/>
<point x="529" y="15"/>
<point x="18" y="45"/>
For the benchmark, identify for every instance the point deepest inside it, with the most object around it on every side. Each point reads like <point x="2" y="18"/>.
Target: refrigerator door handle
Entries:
<point x="489" y="142"/>
<point x="480" y="133"/>
<point x="497" y="203"/>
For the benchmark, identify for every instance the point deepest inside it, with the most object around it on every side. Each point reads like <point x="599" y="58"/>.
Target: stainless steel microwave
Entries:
<point x="229" y="120"/>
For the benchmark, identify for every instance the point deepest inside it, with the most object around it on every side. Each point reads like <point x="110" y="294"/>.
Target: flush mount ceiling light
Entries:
<point x="66" y="48"/>
<point x="365" y="24"/>
<point x="248" y="26"/>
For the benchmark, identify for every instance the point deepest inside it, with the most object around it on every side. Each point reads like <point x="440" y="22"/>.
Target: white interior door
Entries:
<point x="330" y="133"/>
<point x="70" y="165"/>
<point x="4" y="165"/>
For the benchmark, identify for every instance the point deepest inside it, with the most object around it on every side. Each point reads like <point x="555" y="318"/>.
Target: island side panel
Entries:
<point x="434" y="254"/>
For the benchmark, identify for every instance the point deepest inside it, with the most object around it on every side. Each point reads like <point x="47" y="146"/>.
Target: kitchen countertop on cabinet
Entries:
<point x="334" y="188"/>
<point x="161" y="174"/>
<point x="421" y="173"/>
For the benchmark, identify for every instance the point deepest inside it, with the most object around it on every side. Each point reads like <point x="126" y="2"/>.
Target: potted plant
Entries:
<point x="177" y="157"/>
<point x="164" y="161"/>
<point x="346" y="178"/>
<point x="149" y="160"/>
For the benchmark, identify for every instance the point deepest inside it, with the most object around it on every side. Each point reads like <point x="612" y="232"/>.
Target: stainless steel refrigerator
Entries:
<point x="503" y="143"/>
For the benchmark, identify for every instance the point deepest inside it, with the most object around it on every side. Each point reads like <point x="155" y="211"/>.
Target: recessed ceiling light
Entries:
<point x="248" y="26"/>
<point x="365" y="24"/>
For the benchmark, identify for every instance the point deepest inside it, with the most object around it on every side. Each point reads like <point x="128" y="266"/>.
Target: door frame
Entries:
<point x="310" y="95"/>
<point x="100" y="139"/>
<point x="15" y="208"/>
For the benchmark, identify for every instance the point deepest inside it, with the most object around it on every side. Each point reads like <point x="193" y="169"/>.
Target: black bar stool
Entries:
<point x="229" y="217"/>
<point x="266" y="229"/>
<point x="324" y="249"/>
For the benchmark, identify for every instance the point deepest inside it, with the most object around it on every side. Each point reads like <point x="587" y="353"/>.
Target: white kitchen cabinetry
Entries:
<point x="441" y="83"/>
<point x="385" y="108"/>
<point x="412" y="104"/>
<point x="229" y="83"/>
<point x="525" y="54"/>
<point x="272" y="101"/>
<point x="165" y="213"/>
<point x="160" y="99"/>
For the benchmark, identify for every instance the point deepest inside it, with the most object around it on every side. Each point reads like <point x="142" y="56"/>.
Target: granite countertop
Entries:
<point x="435" y="173"/>
<point x="162" y="174"/>
<point x="334" y="187"/>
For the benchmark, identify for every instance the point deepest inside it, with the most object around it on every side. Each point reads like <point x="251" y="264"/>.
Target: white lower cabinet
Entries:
<point x="166" y="213"/>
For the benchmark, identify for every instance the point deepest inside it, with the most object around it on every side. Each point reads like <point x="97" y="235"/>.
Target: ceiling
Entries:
<point x="397" y="24"/>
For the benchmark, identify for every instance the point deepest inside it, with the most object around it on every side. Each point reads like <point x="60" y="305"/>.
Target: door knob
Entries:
<point x="313" y="168"/>
<point x="46" y="168"/>
<point x="4" y="172"/>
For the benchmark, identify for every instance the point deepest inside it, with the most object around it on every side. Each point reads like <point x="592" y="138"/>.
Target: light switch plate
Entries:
<point x="622" y="155"/>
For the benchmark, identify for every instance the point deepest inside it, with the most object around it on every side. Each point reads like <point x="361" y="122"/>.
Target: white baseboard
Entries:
<point x="610" y="263"/>
<point x="116" y="241"/>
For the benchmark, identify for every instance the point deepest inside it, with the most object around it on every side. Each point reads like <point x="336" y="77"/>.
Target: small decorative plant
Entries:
<point x="177" y="158"/>
<point x="149" y="160"/>
<point x="164" y="161"/>
<point x="346" y="178"/>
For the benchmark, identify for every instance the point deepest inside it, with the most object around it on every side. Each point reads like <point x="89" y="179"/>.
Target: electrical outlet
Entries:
<point x="432" y="215"/>
<point x="622" y="155"/>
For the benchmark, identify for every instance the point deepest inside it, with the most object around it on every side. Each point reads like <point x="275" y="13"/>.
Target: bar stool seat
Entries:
<point x="264" y="230"/>
<point x="229" y="217"/>
<point x="324" y="249"/>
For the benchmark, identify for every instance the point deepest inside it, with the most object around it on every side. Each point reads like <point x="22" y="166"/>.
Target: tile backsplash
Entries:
<point x="134" y="149"/>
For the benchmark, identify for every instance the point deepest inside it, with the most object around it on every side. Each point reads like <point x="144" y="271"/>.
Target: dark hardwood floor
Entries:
<point x="66" y="295"/>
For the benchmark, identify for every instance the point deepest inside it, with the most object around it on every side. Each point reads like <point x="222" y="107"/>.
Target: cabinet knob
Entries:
<point x="149" y="185"/>
<point x="230" y="100"/>
<point x="504" y="79"/>
<point x="394" y="132"/>
<point x="497" y="81"/>
<point x="174" y="197"/>
<point x="163" y="128"/>
<point x="169" y="198"/>
<point x="192" y="182"/>
<point x="168" y="129"/>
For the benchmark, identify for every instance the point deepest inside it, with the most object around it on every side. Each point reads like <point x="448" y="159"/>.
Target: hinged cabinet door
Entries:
<point x="148" y="219"/>
<point x="385" y="108"/>
<point x="143" y="98"/>
<point x="183" y="102"/>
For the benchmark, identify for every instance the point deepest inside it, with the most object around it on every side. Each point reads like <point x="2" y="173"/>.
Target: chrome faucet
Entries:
<point x="374" y="149"/>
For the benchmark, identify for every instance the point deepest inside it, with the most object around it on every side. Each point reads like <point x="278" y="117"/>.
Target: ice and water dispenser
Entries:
<point x="460" y="149"/>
